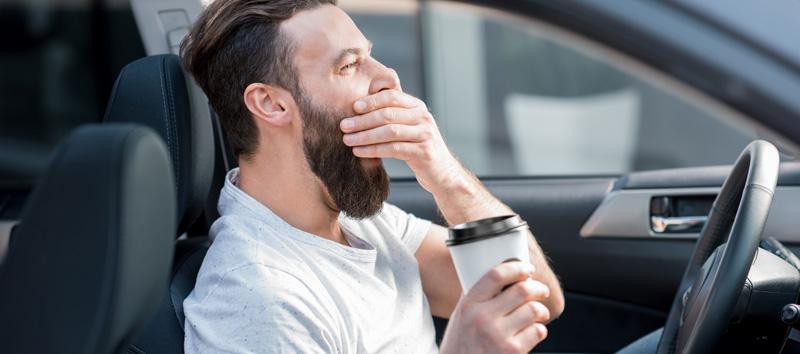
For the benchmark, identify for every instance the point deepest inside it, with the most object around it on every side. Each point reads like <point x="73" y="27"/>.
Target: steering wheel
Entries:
<point x="713" y="281"/>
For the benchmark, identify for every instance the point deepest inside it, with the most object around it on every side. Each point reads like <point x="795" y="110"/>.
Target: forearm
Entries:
<point x="464" y="198"/>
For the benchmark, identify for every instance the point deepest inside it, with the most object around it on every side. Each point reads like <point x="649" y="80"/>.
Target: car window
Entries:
<point x="59" y="60"/>
<point x="514" y="97"/>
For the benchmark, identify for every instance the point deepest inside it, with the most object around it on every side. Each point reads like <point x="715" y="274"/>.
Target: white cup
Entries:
<point x="478" y="246"/>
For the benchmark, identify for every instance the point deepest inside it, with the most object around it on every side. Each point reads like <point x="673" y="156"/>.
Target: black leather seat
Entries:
<point x="91" y="256"/>
<point x="155" y="91"/>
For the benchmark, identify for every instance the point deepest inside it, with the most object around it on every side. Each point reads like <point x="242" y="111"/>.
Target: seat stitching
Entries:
<point x="134" y="349"/>
<point x="173" y="119"/>
<point x="171" y="114"/>
<point x="164" y="106"/>
<point x="761" y="187"/>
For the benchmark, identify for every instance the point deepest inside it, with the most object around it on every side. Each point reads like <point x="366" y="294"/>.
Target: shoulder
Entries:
<point x="392" y="222"/>
<point x="244" y="247"/>
<point x="255" y="282"/>
<point x="262" y="295"/>
<point x="259" y="306"/>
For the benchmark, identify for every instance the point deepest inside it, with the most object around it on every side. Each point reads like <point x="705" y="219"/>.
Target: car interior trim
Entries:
<point x="5" y="236"/>
<point x="626" y="214"/>
<point x="694" y="177"/>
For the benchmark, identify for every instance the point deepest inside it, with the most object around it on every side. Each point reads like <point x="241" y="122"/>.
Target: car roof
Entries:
<point x="772" y="25"/>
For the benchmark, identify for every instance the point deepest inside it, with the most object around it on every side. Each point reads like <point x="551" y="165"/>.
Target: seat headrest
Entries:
<point x="154" y="91"/>
<point x="93" y="251"/>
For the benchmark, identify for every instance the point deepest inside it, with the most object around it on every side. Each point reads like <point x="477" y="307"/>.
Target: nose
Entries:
<point x="384" y="79"/>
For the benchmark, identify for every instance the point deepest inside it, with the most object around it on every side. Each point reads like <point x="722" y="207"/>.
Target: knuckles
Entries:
<point x="394" y="131"/>
<point x="523" y="290"/>
<point x="393" y="98"/>
<point x="426" y="134"/>
<point x="426" y="154"/>
<point x="542" y="332"/>
<point x="538" y="312"/>
<point x="495" y="276"/>
<point x="531" y="290"/>
<point x="541" y="291"/>
<point x="372" y="102"/>
<point x="389" y="115"/>
<point x="427" y="116"/>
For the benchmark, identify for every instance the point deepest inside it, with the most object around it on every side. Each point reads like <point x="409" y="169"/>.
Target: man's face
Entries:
<point x="333" y="62"/>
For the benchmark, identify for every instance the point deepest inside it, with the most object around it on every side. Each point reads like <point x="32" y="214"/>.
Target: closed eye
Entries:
<point x="349" y="66"/>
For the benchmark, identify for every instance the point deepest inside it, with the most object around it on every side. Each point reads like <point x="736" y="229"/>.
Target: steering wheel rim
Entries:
<point x="713" y="280"/>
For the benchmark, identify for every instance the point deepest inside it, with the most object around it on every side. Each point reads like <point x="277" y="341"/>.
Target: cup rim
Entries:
<point x="482" y="229"/>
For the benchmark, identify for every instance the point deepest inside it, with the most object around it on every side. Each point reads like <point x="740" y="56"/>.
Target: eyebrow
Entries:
<point x="353" y="51"/>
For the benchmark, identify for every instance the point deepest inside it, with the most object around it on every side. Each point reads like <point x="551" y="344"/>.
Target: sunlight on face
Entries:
<point x="332" y="57"/>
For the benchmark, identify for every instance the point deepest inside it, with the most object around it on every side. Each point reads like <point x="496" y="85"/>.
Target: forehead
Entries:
<point x="322" y="34"/>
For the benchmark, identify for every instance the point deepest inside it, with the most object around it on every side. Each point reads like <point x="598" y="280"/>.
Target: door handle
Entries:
<point x="663" y="224"/>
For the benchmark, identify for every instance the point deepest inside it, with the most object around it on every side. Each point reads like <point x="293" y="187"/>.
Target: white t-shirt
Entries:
<point x="267" y="287"/>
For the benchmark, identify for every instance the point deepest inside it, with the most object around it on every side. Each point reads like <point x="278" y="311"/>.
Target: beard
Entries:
<point x="357" y="191"/>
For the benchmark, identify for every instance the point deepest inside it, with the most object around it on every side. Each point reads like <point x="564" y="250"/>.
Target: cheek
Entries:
<point x="340" y="94"/>
<point x="351" y="89"/>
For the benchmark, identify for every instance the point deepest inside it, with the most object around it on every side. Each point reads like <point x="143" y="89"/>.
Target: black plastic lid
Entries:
<point x="482" y="229"/>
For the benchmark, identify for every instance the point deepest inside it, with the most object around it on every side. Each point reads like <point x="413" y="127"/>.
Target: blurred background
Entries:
<point x="512" y="96"/>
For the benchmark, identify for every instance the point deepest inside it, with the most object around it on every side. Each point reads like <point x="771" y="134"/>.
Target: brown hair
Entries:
<point x="235" y="43"/>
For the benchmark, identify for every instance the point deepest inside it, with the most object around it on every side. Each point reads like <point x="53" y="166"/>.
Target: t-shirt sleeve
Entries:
<point x="412" y="230"/>
<point x="258" y="309"/>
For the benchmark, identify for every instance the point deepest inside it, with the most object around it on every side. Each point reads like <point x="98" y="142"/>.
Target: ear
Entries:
<point x="268" y="103"/>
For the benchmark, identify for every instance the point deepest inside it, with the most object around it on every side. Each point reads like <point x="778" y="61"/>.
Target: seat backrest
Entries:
<point x="92" y="252"/>
<point x="164" y="333"/>
<point x="154" y="91"/>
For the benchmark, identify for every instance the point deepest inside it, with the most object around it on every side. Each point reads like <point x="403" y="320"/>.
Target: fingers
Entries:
<point x="530" y="337"/>
<point x="520" y="293"/>
<point x="525" y="315"/>
<point x="384" y="116"/>
<point x="397" y="150"/>
<point x="388" y="133"/>
<point x="385" y="98"/>
<point x="498" y="277"/>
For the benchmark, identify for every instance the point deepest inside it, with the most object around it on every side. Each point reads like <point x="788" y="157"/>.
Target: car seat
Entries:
<point x="154" y="91"/>
<point x="92" y="252"/>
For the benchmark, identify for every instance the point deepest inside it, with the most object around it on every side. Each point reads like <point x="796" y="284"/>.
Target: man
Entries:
<point x="307" y="256"/>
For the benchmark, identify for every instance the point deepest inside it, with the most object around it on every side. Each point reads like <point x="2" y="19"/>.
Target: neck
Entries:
<point x="291" y="191"/>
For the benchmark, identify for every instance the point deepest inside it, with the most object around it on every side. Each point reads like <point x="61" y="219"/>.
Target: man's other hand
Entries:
<point x="502" y="313"/>
<point x="393" y="124"/>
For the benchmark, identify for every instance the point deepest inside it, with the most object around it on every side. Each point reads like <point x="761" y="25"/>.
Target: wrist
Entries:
<point x="454" y="180"/>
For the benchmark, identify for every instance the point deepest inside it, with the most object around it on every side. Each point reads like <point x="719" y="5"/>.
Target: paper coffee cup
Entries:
<point x="478" y="246"/>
